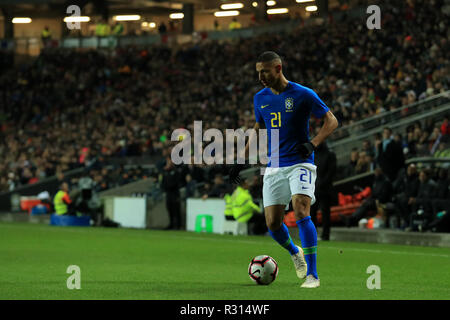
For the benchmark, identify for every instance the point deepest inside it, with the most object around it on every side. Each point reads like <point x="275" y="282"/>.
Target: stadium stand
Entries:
<point x="81" y="109"/>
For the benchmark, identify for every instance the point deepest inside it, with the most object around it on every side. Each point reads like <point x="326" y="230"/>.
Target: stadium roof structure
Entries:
<point x="54" y="8"/>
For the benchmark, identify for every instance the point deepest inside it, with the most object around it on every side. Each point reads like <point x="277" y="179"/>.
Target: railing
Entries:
<point x="445" y="162"/>
<point x="398" y="120"/>
<point x="387" y="117"/>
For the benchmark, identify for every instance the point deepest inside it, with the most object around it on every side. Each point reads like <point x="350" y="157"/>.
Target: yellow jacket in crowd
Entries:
<point x="243" y="206"/>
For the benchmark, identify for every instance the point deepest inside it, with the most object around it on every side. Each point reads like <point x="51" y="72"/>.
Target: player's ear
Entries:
<point x="278" y="68"/>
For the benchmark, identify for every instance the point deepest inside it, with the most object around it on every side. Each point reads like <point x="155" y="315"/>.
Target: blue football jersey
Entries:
<point x="289" y="113"/>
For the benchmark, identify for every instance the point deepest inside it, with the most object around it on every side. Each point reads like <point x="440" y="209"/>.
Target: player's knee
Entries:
<point x="301" y="207"/>
<point x="273" y="224"/>
<point x="300" y="214"/>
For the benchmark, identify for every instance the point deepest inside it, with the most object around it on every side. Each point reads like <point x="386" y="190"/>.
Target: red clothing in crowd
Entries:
<point x="445" y="128"/>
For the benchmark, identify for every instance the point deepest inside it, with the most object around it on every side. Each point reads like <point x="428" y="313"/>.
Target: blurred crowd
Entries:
<point x="390" y="151"/>
<point x="107" y="177"/>
<point x="70" y="108"/>
<point x="418" y="199"/>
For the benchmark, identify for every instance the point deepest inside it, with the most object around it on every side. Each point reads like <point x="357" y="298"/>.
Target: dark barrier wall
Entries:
<point x="51" y="185"/>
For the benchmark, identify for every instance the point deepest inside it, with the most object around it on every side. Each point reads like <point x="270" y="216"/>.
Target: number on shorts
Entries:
<point x="305" y="176"/>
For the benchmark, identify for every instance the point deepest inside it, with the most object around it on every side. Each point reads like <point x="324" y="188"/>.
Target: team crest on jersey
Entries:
<point x="289" y="102"/>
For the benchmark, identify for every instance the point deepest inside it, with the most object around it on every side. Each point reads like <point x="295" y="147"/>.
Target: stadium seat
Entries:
<point x="235" y="228"/>
<point x="335" y="214"/>
<point x="39" y="209"/>
<point x="63" y="220"/>
<point x="27" y="203"/>
<point x="289" y="219"/>
<point x="337" y="211"/>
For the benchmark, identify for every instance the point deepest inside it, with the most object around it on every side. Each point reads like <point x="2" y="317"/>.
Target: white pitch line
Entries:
<point x="330" y="247"/>
<point x="161" y="235"/>
<point x="389" y="251"/>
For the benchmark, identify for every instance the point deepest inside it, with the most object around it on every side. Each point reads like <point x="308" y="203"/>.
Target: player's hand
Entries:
<point x="305" y="149"/>
<point x="234" y="173"/>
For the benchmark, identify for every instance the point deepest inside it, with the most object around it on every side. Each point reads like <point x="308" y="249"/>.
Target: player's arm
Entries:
<point x="330" y="124"/>
<point x="236" y="169"/>
<point x="251" y="138"/>
<point x="320" y="110"/>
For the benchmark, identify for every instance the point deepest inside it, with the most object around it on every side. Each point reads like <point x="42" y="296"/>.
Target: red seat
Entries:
<point x="335" y="212"/>
<point x="27" y="203"/>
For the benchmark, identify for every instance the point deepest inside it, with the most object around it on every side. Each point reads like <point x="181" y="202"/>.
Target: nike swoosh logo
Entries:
<point x="262" y="107"/>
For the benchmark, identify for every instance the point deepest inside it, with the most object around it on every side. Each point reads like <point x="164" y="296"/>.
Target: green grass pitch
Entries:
<point x="169" y="265"/>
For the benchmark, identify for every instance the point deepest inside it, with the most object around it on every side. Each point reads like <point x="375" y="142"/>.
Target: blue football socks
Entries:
<point x="308" y="236"/>
<point x="284" y="239"/>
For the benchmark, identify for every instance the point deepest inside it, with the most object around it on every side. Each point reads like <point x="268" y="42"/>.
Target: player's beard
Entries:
<point x="270" y="83"/>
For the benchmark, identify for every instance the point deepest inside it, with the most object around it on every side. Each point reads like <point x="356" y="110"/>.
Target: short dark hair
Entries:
<point x="268" y="56"/>
<point x="388" y="129"/>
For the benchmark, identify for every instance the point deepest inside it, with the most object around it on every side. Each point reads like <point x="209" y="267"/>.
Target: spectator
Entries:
<point x="443" y="151"/>
<point x="441" y="205"/>
<point x="442" y="185"/>
<point x="117" y="29"/>
<point x="228" y="208"/>
<point x="325" y="161"/>
<point x="190" y="186"/>
<point x="255" y="187"/>
<point x="217" y="26"/>
<point x="87" y="202"/>
<point x="171" y="186"/>
<point x="234" y="24"/>
<point x="46" y="36"/>
<point x="368" y="148"/>
<point x="218" y="189"/>
<point x="390" y="155"/>
<point x="364" y="163"/>
<point x="381" y="194"/>
<point x="102" y="29"/>
<point x="445" y="127"/>
<point x="405" y="188"/>
<point x="62" y="201"/>
<point x="246" y="211"/>
<point x="162" y="28"/>
<point x="350" y="169"/>
<point x="104" y="106"/>
<point x="421" y="207"/>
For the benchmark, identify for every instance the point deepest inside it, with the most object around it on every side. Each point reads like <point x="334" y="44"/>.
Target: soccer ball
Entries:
<point x="263" y="269"/>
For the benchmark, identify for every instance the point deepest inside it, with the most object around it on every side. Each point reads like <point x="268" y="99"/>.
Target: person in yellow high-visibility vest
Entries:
<point x="246" y="211"/>
<point x="62" y="200"/>
<point x="117" y="29"/>
<point x="106" y="29"/>
<point x="102" y="29"/>
<point x="228" y="207"/>
<point x="46" y="36"/>
<point x="99" y="29"/>
<point x="234" y="25"/>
